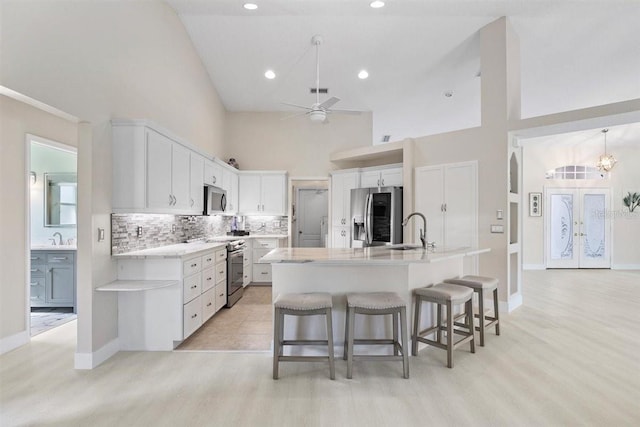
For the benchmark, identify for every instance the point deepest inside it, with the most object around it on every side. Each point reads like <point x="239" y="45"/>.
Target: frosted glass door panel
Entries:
<point x="561" y="232"/>
<point x="594" y="229"/>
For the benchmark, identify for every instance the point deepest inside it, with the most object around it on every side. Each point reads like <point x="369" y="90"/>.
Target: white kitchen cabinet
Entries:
<point x="230" y="184"/>
<point x="341" y="185"/>
<point x="262" y="246"/>
<point x="247" y="264"/>
<point x="381" y="177"/>
<point x="262" y="193"/>
<point x="447" y="196"/>
<point x="196" y="181"/>
<point x="341" y="237"/>
<point x="213" y="174"/>
<point x="53" y="278"/>
<point x="152" y="171"/>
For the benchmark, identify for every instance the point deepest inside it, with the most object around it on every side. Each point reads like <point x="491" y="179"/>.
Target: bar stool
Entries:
<point x="301" y="305"/>
<point x="376" y="303"/>
<point x="448" y="295"/>
<point x="480" y="285"/>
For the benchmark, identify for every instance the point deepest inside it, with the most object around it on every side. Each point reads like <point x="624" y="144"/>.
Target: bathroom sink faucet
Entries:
<point x="423" y="232"/>
<point x="59" y="238"/>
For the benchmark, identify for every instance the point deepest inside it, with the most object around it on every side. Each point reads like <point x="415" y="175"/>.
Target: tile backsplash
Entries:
<point x="161" y="230"/>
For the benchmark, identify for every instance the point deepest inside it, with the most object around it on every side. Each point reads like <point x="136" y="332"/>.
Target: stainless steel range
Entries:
<point x="235" y="273"/>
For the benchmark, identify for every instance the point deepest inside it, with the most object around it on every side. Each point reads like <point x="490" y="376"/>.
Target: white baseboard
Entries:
<point x="14" y="341"/>
<point x="514" y="302"/>
<point x="625" y="267"/>
<point x="91" y="360"/>
<point x="533" y="267"/>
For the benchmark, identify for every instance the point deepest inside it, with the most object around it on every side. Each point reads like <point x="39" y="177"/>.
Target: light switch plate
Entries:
<point x="499" y="214"/>
<point x="496" y="228"/>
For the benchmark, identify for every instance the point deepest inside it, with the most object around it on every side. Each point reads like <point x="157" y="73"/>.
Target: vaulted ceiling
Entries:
<point x="574" y="54"/>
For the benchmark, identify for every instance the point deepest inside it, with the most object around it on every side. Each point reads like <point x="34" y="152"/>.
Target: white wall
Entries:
<point x="103" y="60"/>
<point x="584" y="148"/>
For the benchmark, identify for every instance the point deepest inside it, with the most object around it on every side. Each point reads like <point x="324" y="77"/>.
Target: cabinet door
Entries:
<point x="370" y="179"/>
<point x="213" y="174"/>
<point x="391" y="177"/>
<point x="249" y="193"/>
<point x="230" y="180"/>
<point x="159" y="152"/>
<point x="273" y="194"/>
<point x="341" y="186"/>
<point x="196" y="184"/>
<point x="460" y="205"/>
<point x="340" y="237"/>
<point x="180" y="185"/>
<point x="60" y="284"/>
<point x="37" y="290"/>
<point x="429" y="200"/>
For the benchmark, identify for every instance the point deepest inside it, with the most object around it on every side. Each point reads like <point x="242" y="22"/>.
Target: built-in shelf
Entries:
<point x="136" y="285"/>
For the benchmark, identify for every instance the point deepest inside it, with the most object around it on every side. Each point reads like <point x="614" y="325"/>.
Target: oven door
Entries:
<point x="235" y="276"/>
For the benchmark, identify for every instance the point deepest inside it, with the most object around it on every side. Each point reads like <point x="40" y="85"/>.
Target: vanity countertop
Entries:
<point x="54" y="247"/>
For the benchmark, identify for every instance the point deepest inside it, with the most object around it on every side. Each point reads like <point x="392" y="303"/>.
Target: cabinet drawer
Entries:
<point x="192" y="317"/>
<point x="192" y="287"/>
<point x="38" y="258"/>
<point x="191" y="266"/>
<point x="221" y="255"/>
<point x="221" y="272"/>
<point x="265" y="243"/>
<point x="208" y="260"/>
<point x="208" y="300"/>
<point x="221" y="295"/>
<point x="59" y="258"/>
<point x="38" y="270"/>
<point x="208" y="279"/>
<point x="247" y="277"/>
<point x="246" y="257"/>
<point x="262" y="272"/>
<point x="37" y="290"/>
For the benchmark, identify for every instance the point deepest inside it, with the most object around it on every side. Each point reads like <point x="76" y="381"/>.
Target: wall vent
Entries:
<point x="321" y="90"/>
<point x="386" y="138"/>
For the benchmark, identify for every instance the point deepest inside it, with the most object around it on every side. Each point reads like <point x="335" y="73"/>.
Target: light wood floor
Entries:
<point x="568" y="356"/>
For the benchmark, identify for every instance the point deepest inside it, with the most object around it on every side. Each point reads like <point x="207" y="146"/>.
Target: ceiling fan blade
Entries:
<point x="329" y="102"/>
<point x="296" y="105"/>
<point x="291" y="116"/>
<point x="344" y="111"/>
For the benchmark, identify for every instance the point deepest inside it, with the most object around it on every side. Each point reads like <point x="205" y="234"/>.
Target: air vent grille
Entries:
<point x="386" y="138"/>
<point x="321" y="90"/>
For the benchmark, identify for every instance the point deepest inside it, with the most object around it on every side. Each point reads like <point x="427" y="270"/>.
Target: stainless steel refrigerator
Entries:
<point x="376" y="216"/>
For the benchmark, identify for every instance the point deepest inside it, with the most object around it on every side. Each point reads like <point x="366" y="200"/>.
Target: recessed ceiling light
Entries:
<point x="250" y="6"/>
<point x="270" y="74"/>
<point x="448" y="94"/>
<point x="376" y="4"/>
<point x="363" y="74"/>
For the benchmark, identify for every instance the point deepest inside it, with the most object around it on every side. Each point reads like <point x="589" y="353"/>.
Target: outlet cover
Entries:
<point x="495" y="228"/>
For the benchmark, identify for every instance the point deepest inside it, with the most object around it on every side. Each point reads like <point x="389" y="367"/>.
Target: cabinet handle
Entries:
<point x="209" y="279"/>
<point x="221" y="295"/>
<point x="191" y="202"/>
<point x="33" y="258"/>
<point x="221" y="271"/>
<point x="214" y="179"/>
<point x="258" y="206"/>
<point x="194" y="265"/>
<point x="445" y="207"/>
<point x="194" y="316"/>
<point x="194" y="286"/>
<point x="33" y="270"/>
<point x="382" y="181"/>
<point x="34" y="283"/>
<point x="59" y="258"/>
<point x="208" y="259"/>
<point x="170" y="200"/>
<point x="263" y="208"/>
<point x="264" y="272"/>
<point x="209" y="305"/>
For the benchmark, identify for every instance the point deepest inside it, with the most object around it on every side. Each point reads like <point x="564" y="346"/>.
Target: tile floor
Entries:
<point x="247" y="326"/>
<point x="45" y="318"/>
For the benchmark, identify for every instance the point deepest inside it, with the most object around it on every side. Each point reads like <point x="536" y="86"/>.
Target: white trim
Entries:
<point x="533" y="267"/>
<point x="14" y="341"/>
<point x="52" y="144"/>
<point x="514" y="302"/>
<point x="37" y="104"/>
<point x="91" y="360"/>
<point x="625" y="267"/>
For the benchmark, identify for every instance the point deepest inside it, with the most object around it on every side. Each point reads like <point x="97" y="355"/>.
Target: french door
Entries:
<point x="577" y="228"/>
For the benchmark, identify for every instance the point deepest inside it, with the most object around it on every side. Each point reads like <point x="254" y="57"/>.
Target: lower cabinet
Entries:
<point x="261" y="246"/>
<point x="53" y="278"/>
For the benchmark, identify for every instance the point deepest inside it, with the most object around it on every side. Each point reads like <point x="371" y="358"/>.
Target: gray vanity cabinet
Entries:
<point x="53" y="278"/>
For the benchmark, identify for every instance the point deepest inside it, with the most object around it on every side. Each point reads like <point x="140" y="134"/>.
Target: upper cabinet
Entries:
<point x="152" y="173"/>
<point x="213" y="174"/>
<point x="381" y="177"/>
<point x="230" y="184"/>
<point x="341" y="185"/>
<point x="262" y="193"/>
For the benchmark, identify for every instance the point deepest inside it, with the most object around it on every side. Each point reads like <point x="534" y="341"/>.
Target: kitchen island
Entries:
<point x="375" y="269"/>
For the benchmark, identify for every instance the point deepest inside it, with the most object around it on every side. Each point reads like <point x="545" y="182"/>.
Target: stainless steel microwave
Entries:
<point x="215" y="200"/>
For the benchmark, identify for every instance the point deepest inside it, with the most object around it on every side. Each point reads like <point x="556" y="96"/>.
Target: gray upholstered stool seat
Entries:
<point x="444" y="294"/>
<point x="376" y="303"/>
<point x="482" y="285"/>
<point x="301" y="305"/>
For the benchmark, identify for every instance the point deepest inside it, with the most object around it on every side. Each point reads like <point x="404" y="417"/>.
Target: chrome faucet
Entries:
<point x="59" y="238"/>
<point x="423" y="232"/>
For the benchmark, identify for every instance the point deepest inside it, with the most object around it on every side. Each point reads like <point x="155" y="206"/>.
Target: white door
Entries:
<point x="312" y="212"/>
<point x="578" y="229"/>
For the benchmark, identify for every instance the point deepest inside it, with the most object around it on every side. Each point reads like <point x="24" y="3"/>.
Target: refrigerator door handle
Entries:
<point x="368" y="220"/>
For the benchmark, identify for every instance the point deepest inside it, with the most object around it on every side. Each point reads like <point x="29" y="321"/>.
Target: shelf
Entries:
<point x="136" y="285"/>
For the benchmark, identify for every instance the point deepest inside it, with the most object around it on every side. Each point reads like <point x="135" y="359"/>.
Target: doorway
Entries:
<point x="51" y="234"/>
<point x="578" y="230"/>
<point x="309" y="212"/>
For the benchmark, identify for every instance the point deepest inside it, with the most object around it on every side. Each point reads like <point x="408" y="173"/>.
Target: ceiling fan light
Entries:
<point x="376" y="4"/>
<point x="317" y="116"/>
<point x="270" y="74"/>
<point x="250" y="6"/>
<point x="363" y="74"/>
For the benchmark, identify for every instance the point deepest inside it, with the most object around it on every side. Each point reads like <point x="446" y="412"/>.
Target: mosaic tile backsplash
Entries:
<point x="161" y="230"/>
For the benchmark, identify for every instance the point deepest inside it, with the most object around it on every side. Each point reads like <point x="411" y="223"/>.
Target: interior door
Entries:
<point x="577" y="231"/>
<point x="312" y="214"/>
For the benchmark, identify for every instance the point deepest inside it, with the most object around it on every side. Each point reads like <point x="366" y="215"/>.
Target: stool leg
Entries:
<point x="495" y="309"/>
<point x="332" y="369"/>
<point x="472" y="329"/>
<point x="416" y="326"/>
<point x="351" y="313"/>
<point x="481" y="315"/>
<point x="439" y="323"/>
<point x="346" y="333"/>
<point x="449" y="335"/>
<point x="403" y="331"/>
<point x="394" y="316"/>
<point x="276" y="342"/>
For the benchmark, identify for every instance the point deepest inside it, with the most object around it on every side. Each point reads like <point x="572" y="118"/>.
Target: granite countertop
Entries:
<point x="372" y="255"/>
<point x="51" y="247"/>
<point x="251" y="236"/>
<point x="172" y="251"/>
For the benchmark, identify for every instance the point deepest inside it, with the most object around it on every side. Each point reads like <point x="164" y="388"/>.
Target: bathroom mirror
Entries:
<point x="60" y="199"/>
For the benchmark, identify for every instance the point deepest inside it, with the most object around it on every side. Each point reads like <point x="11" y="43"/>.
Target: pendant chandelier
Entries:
<point x="606" y="162"/>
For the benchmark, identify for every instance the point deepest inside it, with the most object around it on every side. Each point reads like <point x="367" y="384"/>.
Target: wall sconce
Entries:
<point x="606" y="161"/>
<point x="33" y="177"/>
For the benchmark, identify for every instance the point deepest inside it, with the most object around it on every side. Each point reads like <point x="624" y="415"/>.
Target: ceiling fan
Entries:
<point x="319" y="110"/>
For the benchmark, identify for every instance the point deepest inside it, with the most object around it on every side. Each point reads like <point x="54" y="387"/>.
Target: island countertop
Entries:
<point x="370" y="255"/>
